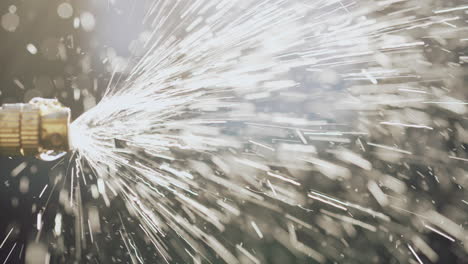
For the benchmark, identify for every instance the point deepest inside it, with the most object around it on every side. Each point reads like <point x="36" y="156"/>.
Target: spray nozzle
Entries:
<point x="40" y="126"/>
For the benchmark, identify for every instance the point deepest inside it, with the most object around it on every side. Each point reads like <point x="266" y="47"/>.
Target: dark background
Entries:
<point x="71" y="64"/>
<point x="76" y="80"/>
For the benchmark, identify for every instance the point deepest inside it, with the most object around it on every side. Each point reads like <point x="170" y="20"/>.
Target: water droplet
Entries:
<point x="10" y="22"/>
<point x="65" y="10"/>
<point x="76" y="22"/>
<point x="51" y="155"/>
<point x="36" y="253"/>
<point x="12" y="9"/>
<point x="31" y="48"/>
<point x="87" y="21"/>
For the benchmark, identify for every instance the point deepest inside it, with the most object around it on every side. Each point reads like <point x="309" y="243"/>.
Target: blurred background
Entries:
<point x="69" y="50"/>
<point x="55" y="49"/>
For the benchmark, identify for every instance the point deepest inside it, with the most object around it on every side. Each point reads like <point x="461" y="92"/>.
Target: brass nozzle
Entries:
<point x="33" y="128"/>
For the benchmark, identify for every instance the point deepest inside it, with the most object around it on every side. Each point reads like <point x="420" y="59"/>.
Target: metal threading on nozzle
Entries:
<point x="39" y="126"/>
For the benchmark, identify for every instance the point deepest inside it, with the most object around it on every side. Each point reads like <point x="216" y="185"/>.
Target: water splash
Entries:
<point x="320" y="126"/>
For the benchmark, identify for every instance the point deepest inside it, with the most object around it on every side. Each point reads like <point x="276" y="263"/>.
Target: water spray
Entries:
<point x="40" y="126"/>
<point x="261" y="132"/>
